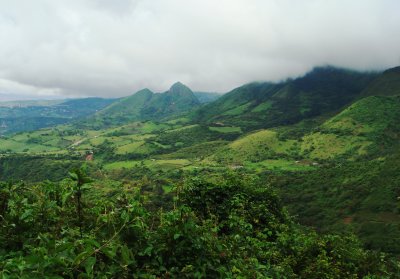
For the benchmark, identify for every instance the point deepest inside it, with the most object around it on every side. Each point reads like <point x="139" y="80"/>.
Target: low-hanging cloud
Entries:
<point x="114" y="48"/>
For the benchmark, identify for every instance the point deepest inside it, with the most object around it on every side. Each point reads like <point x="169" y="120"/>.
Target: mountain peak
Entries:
<point x="179" y="89"/>
<point x="178" y="86"/>
<point x="144" y="91"/>
<point x="393" y="70"/>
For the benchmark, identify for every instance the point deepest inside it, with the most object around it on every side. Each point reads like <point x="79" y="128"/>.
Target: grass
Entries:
<point x="257" y="146"/>
<point x="238" y="110"/>
<point x="263" y="107"/>
<point x="97" y="140"/>
<point x="181" y="120"/>
<point x="152" y="164"/>
<point x="182" y="128"/>
<point x="149" y="127"/>
<point x="121" y="165"/>
<point x="371" y="116"/>
<point x="130" y="147"/>
<point x="328" y="146"/>
<point x="16" y="146"/>
<point x="263" y="138"/>
<point x="197" y="151"/>
<point x="279" y="164"/>
<point x="226" y="129"/>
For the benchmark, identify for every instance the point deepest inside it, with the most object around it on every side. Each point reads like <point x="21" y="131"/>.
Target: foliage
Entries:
<point x="265" y="105"/>
<point x="231" y="229"/>
<point x="163" y="204"/>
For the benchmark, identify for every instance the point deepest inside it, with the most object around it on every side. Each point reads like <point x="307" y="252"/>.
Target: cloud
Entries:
<point x="114" y="48"/>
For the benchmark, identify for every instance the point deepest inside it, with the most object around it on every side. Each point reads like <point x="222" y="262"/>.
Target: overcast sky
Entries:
<point x="116" y="47"/>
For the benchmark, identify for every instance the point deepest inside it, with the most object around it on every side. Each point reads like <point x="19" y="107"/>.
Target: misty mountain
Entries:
<point x="264" y="104"/>
<point x="146" y="105"/>
<point x="33" y="115"/>
<point x="207" y="97"/>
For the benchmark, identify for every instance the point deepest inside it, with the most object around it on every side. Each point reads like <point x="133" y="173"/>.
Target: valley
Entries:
<point x="327" y="143"/>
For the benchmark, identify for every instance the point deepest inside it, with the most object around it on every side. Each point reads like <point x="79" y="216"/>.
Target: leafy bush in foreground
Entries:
<point x="230" y="229"/>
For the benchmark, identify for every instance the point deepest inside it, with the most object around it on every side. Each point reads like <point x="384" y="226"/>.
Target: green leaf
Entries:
<point x="110" y="251"/>
<point x="65" y="197"/>
<point x="73" y="176"/>
<point x="89" y="264"/>
<point x="126" y="255"/>
<point x="26" y="214"/>
<point x="81" y="256"/>
<point x="91" y="242"/>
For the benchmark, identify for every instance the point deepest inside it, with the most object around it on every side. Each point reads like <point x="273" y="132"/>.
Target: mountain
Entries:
<point x="367" y="126"/>
<point x="386" y="84"/>
<point x="146" y="105"/>
<point x="357" y="187"/>
<point x="261" y="105"/>
<point x="16" y="117"/>
<point x="127" y="108"/>
<point x="31" y="103"/>
<point x="179" y="98"/>
<point x="207" y="97"/>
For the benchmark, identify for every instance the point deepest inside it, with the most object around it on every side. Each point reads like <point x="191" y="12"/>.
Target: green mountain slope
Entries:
<point x="179" y="98"/>
<point x="146" y="105"/>
<point x="127" y="108"/>
<point x="207" y="97"/>
<point x="357" y="196"/>
<point x="259" y="105"/>
<point x="387" y="84"/>
<point x="367" y="127"/>
<point x="29" y="116"/>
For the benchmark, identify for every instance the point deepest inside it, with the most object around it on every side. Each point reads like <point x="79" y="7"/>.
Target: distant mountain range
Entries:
<point x="323" y="91"/>
<point x="16" y="116"/>
<point x="262" y="105"/>
<point x="32" y="115"/>
<point x="147" y="105"/>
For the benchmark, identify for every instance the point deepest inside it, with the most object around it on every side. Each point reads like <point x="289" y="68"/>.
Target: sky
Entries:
<point x="113" y="48"/>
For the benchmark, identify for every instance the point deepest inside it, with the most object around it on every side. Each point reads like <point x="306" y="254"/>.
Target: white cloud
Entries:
<point x="113" y="48"/>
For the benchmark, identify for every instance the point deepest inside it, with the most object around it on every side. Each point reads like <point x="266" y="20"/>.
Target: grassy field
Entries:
<point x="152" y="164"/>
<point x="237" y="110"/>
<point x="129" y="148"/>
<point x="281" y="165"/>
<point x="263" y="107"/>
<point x="256" y="146"/>
<point x="226" y="129"/>
<point x="328" y="146"/>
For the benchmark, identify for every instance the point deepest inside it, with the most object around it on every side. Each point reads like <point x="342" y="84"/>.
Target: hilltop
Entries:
<point x="264" y="105"/>
<point x="146" y="105"/>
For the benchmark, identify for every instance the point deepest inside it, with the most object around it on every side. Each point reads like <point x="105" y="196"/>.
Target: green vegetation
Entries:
<point x="257" y="147"/>
<point x="226" y="129"/>
<point x="355" y="196"/>
<point x="29" y="116"/>
<point x="206" y="97"/>
<point x="229" y="229"/>
<point x="266" y="105"/>
<point x="231" y="189"/>
<point x="144" y="105"/>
